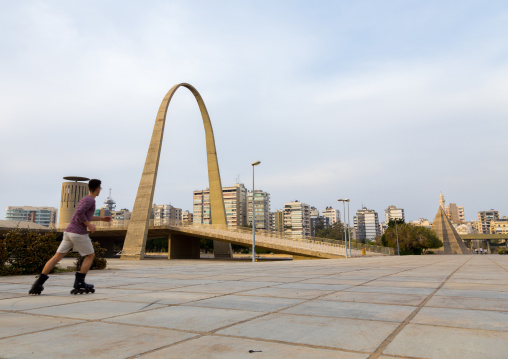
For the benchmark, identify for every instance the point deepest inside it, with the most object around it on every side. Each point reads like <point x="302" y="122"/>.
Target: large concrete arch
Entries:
<point x="135" y="240"/>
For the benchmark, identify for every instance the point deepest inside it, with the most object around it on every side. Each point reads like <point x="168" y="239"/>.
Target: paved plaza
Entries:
<point x="377" y="307"/>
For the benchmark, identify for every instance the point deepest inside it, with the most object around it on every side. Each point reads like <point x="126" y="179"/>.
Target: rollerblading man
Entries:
<point x="76" y="235"/>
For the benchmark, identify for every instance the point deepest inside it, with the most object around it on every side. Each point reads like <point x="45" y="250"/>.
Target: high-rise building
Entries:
<point x="166" y="214"/>
<point x="392" y="213"/>
<point x="332" y="214"/>
<point x="366" y="224"/>
<point x="187" y="216"/>
<point x="455" y="213"/>
<point x="261" y="209"/>
<point x="484" y="219"/>
<point x="277" y="221"/>
<point x="45" y="216"/>
<point x="297" y="219"/>
<point x="201" y="207"/>
<point x="235" y="203"/>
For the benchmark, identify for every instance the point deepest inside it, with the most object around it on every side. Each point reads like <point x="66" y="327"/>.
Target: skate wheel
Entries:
<point x="93" y="290"/>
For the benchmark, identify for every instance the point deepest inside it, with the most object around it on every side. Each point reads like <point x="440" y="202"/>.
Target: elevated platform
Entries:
<point x="182" y="236"/>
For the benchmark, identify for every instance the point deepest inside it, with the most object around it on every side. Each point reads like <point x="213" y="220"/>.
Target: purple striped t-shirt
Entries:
<point x="84" y="212"/>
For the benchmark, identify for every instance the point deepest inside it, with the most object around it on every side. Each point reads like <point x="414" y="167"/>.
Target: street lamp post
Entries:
<point x="348" y="227"/>
<point x="344" y="211"/>
<point x="397" y="234"/>
<point x="255" y="163"/>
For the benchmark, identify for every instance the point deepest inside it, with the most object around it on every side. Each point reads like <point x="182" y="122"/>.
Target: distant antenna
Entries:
<point x="238" y="181"/>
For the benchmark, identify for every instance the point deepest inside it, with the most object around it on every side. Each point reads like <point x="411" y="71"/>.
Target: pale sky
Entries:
<point x="384" y="102"/>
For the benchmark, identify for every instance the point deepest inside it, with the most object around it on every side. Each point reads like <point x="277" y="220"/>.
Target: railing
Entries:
<point x="263" y="237"/>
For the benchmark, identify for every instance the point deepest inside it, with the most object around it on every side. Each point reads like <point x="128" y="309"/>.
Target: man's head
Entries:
<point x="94" y="186"/>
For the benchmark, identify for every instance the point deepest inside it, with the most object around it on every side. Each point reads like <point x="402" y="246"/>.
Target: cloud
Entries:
<point x="333" y="99"/>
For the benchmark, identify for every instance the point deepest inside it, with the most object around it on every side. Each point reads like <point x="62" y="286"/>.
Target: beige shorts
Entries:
<point x="81" y="242"/>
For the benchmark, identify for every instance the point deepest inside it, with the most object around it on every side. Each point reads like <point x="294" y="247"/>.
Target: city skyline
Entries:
<point x="106" y="202"/>
<point x="381" y="103"/>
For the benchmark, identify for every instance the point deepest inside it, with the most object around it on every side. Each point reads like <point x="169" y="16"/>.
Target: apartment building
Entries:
<point x="45" y="216"/>
<point x="333" y="215"/>
<point x="296" y="219"/>
<point x="187" y="216"/>
<point x="499" y="226"/>
<point x="484" y="219"/>
<point x="166" y="214"/>
<point x="366" y="223"/>
<point x="455" y="213"/>
<point x="277" y="221"/>
<point x="392" y="213"/>
<point x="235" y="203"/>
<point x="261" y="209"/>
<point x="120" y="218"/>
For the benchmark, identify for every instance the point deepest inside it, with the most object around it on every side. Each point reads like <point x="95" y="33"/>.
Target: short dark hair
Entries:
<point x="94" y="184"/>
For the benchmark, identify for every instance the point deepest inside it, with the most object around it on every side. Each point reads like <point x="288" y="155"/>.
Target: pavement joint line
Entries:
<point x="410" y="317"/>
<point x="164" y="347"/>
<point x="461" y="328"/>
<point x="294" y="305"/>
<point x="83" y="319"/>
<point x="319" y="297"/>
<point x="290" y="343"/>
<point x="212" y="333"/>
<point x="498" y="264"/>
<point x="43" y="330"/>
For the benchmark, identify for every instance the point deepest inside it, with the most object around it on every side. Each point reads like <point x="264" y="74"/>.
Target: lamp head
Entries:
<point x="340" y="200"/>
<point x="346" y="200"/>
<point x="255" y="163"/>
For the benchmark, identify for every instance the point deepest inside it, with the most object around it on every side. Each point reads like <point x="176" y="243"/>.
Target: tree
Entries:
<point x="335" y="231"/>
<point x="412" y="239"/>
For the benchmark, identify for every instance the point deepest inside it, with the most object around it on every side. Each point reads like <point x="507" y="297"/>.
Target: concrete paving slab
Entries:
<point x="468" y="303"/>
<point x="48" y="289"/>
<point x="96" y="340"/>
<point x="380" y="298"/>
<point x="398" y="282"/>
<point x="275" y="279"/>
<point x="404" y="278"/>
<point x="471" y="293"/>
<point x="404" y="284"/>
<point x="251" y="303"/>
<point x="40" y="301"/>
<point x="286" y="293"/>
<point x="341" y="333"/>
<point x="397" y="290"/>
<point x="225" y="287"/>
<point x="19" y="323"/>
<point x="216" y="347"/>
<point x="327" y="287"/>
<point x="424" y="341"/>
<point x="187" y="318"/>
<point x="329" y="280"/>
<point x="166" y="298"/>
<point x="98" y="309"/>
<point x="497" y="287"/>
<point x="166" y="284"/>
<point x="7" y="295"/>
<point x="370" y="311"/>
<point x="463" y="318"/>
